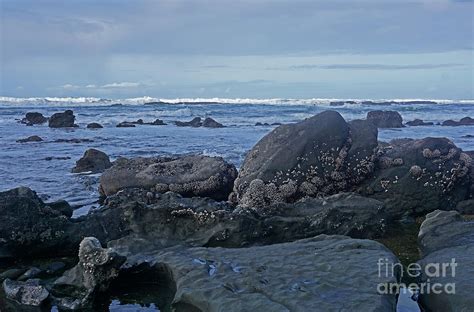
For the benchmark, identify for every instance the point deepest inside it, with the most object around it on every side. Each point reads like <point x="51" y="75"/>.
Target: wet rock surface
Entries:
<point x="62" y="120"/>
<point x="282" y="277"/>
<point x="445" y="236"/>
<point x="466" y="121"/>
<point x="419" y="122"/>
<point x="93" y="161"/>
<point x="198" y="122"/>
<point x="33" y="138"/>
<point x="193" y="175"/>
<point x="94" y="125"/>
<point x="30" y="292"/>
<point x="319" y="156"/>
<point x="34" y="118"/>
<point x="385" y="119"/>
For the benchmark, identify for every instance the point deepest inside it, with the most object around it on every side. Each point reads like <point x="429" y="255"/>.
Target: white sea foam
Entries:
<point x="90" y="101"/>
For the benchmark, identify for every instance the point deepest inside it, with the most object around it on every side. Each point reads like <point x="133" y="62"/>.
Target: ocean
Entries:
<point x="46" y="166"/>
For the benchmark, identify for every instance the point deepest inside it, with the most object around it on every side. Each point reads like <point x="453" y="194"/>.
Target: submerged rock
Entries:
<point x="93" y="161"/>
<point x="413" y="177"/>
<point x="419" y="122"/>
<point x="126" y="124"/>
<point x="211" y="123"/>
<point x="62" y="120"/>
<point x="97" y="267"/>
<point x="447" y="245"/>
<point x="34" y="118"/>
<point x="94" y="125"/>
<point x="195" y="122"/>
<point x="193" y="175"/>
<point x="466" y="121"/>
<point x="332" y="273"/>
<point x="319" y="156"/>
<point x="385" y="119"/>
<point x="33" y="138"/>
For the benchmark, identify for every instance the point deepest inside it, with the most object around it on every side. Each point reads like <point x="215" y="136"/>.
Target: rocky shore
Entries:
<point x="298" y="226"/>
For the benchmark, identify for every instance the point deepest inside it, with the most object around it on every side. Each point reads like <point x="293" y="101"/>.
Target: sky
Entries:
<point x="238" y="49"/>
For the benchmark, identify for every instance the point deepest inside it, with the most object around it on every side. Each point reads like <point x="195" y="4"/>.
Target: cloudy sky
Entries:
<point x="232" y="48"/>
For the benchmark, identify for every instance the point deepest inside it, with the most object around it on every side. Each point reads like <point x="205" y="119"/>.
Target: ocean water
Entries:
<point x="25" y="164"/>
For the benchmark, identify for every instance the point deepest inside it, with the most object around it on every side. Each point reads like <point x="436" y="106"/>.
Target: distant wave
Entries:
<point x="85" y="101"/>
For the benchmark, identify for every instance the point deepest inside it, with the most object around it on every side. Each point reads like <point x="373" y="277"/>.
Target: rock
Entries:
<point x="33" y="138"/>
<point x="33" y="118"/>
<point x="49" y="158"/>
<point x="418" y="122"/>
<point x="157" y="122"/>
<point x="55" y="267"/>
<point x="93" y="161"/>
<point x="30" y="227"/>
<point x="27" y="293"/>
<point x="319" y="156"/>
<point x="466" y="121"/>
<point x="434" y="175"/>
<point x="466" y="207"/>
<point x="97" y="267"/>
<point x="30" y="274"/>
<point x="259" y="124"/>
<point x="445" y="238"/>
<point x="385" y="119"/>
<point x="336" y="275"/>
<point x="94" y="125"/>
<point x="195" y="122"/>
<point x="12" y="274"/>
<point x="62" y="120"/>
<point x="62" y="207"/>
<point x="192" y="175"/>
<point x="126" y="124"/>
<point x="211" y="123"/>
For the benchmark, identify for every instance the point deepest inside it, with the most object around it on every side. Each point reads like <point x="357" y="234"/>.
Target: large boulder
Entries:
<point x="385" y="119"/>
<point x="447" y="244"/>
<point x="319" y="156"/>
<point x="34" y="118"/>
<point x="62" y="120"/>
<point x="29" y="293"/>
<point x="327" y="273"/>
<point x="413" y="177"/>
<point x="193" y="175"/>
<point x="97" y="267"/>
<point x="93" y="161"/>
<point x="466" y="121"/>
<point x="28" y="226"/>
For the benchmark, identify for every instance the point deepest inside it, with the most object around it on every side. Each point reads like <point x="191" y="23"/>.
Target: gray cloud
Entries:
<point x="369" y="66"/>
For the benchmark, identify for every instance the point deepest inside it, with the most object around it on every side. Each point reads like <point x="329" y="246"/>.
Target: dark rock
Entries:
<point x="12" y="274"/>
<point x="94" y="125"/>
<point x="93" y="161"/>
<point x="299" y="276"/>
<point x="62" y="207"/>
<point x="157" y="122"/>
<point x="33" y="138"/>
<point x="30" y="274"/>
<point x="62" y="120"/>
<point x="193" y="175"/>
<point x="259" y="124"/>
<point x="466" y="207"/>
<point x="466" y="121"/>
<point x="385" y="119"/>
<point x="34" y="118"/>
<point x="445" y="238"/>
<point x="418" y="122"/>
<point x="55" y="267"/>
<point x="468" y="136"/>
<point x="126" y="124"/>
<point x="30" y="292"/>
<point x="49" y="158"/>
<point x="97" y="267"/>
<point x="319" y="156"/>
<point x="30" y="227"/>
<point x="195" y="122"/>
<point x="211" y="123"/>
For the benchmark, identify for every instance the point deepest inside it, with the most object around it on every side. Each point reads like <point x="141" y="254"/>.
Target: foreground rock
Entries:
<point x="445" y="237"/>
<point x="30" y="292"/>
<point x="30" y="227"/>
<point x="34" y="118"/>
<point x="193" y="175"/>
<point x="93" y="161"/>
<point x="62" y="120"/>
<point x="466" y="121"/>
<point x="319" y="156"/>
<point x="385" y="119"/>
<point x="419" y="122"/>
<point x="413" y="177"/>
<point x="33" y="138"/>
<point x="297" y="276"/>
<point x="97" y="266"/>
